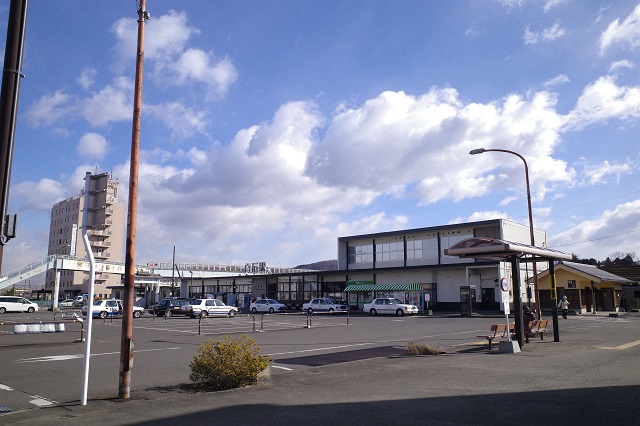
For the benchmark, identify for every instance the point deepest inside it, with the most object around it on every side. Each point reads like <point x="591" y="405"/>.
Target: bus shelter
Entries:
<point x="515" y="253"/>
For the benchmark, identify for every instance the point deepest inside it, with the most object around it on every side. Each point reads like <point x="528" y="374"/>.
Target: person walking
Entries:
<point x="564" y="305"/>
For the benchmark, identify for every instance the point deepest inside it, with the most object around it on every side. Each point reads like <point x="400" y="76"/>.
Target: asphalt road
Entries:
<point x="361" y="358"/>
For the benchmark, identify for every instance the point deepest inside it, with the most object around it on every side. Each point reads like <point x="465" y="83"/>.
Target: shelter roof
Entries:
<point x="502" y="250"/>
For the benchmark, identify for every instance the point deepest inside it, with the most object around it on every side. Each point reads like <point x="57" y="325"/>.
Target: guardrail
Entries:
<point x="311" y="313"/>
<point x="46" y="327"/>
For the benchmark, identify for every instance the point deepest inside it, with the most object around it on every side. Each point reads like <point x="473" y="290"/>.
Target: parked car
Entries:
<point x="207" y="307"/>
<point x="389" y="305"/>
<point x="324" y="304"/>
<point x="169" y="306"/>
<point x="16" y="304"/>
<point x="67" y="303"/>
<point x="267" y="305"/>
<point x="104" y="308"/>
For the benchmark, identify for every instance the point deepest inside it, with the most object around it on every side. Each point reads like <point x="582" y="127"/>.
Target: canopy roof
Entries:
<point x="352" y="288"/>
<point x="501" y="250"/>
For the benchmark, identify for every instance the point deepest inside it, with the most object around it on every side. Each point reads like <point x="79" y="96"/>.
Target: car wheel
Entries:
<point x="103" y="314"/>
<point x="136" y="314"/>
<point x="232" y="313"/>
<point x="204" y="314"/>
<point x="310" y="311"/>
<point x="330" y="310"/>
<point x="373" y="312"/>
<point x="399" y="312"/>
<point x="254" y="310"/>
<point x="31" y="310"/>
<point x="169" y="312"/>
<point x="3" y="310"/>
<point x="158" y="313"/>
<point x="271" y="310"/>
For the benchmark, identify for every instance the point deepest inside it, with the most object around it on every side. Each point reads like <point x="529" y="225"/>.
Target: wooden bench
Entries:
<point x="538" y="328"/>
<point x="497" y="331"/>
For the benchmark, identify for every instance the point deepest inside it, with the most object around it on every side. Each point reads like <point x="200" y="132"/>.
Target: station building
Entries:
<point x="408" y="264"/>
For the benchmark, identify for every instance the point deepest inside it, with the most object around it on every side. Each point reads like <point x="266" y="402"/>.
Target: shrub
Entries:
<point x="227" y="363"/>
<point x="413" y="348"/>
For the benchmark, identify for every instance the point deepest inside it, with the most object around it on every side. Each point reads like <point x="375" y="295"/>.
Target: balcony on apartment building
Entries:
<point x="102" y="254"/>
<point x="100" y="243"/>
<point x="99" y="232"/>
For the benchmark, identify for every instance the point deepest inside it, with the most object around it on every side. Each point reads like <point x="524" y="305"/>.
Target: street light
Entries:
<point x="533" y="243"/>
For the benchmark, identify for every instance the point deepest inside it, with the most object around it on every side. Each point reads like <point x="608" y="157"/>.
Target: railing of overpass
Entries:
<point x="151" y="265"/>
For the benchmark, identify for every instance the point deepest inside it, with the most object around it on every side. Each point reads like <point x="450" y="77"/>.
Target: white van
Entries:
<point x="16" y="304"/>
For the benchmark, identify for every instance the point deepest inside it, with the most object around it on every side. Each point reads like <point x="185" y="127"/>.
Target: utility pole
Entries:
<point x="11" y="75"/>
<point x="126" y="346"/>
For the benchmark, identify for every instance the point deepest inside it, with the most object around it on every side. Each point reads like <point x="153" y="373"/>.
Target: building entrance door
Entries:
<point x="488" y="302"/>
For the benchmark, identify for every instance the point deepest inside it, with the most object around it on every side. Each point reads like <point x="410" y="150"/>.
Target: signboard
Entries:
<point x="504" y="286"/>
<point x="74" y="231"/>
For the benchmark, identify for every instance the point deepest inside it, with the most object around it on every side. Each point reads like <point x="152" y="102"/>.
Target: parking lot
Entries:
<point x="46" y="369"/>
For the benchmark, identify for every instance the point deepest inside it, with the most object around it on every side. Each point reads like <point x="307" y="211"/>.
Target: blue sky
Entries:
<point x="271" y="128"/>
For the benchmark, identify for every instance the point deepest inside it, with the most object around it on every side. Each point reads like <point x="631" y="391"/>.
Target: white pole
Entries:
<point x="92" y="279"/>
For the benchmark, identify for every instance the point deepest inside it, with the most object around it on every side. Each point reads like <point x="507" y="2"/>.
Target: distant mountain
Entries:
<point x="324" y="265"/>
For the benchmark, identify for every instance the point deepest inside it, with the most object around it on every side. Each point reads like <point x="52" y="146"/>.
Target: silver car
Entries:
<point x="207" y="307"/>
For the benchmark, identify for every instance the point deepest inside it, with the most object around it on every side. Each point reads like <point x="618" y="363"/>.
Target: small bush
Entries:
<point x="228" y="363"/>
<point x="413" y="348"/>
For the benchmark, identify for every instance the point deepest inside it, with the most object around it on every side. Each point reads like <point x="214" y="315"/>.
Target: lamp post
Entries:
<point x="533" y="243"/>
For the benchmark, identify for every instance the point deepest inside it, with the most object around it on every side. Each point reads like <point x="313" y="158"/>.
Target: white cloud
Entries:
<point x="480" y="216"/>
<point x="39" y="195"/>
<point x="611" y="231"/>
<point x="396" y="140"/>
<point x="603" y="100"/>
<point x="550" y="4"/>
<point x="200" y="68"/>
<point x="598" y="174"/>
<point x="556" y="81"/>
<point x="181" y="120"/>
<point x="86" y="78"/>
<point x="170" y="61"/>
<point x="92" y="145"/>
<point x="111" y="104"/>
<point x="623" y="34"/>
<point x="547" y="34"/>
<point x="49" y="108"/>
<point x="623" y="64"/>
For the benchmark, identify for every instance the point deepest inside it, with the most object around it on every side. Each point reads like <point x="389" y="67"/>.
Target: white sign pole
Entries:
<point x="504" y="286"/>
<point x="92" y="280"/>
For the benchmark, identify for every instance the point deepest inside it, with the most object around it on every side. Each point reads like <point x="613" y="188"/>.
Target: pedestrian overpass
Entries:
<point x="58" y="262"/>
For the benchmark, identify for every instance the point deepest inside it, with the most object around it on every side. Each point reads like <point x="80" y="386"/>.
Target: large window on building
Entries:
<point x="386" y="252"/>
<point x="361" y="254"/>
<point x="423" y="249"/>
<point x="447" y="240"/>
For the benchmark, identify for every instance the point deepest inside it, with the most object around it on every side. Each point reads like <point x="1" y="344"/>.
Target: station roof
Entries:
<point x="501" y="250"/>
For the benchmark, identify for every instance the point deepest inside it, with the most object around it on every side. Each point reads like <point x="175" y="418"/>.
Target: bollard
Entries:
<point x="262" y="323"/>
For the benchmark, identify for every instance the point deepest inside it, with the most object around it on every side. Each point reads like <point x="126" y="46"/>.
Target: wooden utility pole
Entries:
<point x="126" y="346"/>
<point x="11" y="75"/>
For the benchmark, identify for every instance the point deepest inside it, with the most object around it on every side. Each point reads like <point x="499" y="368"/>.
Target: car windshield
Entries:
<point x="97" y="302"/>
<point x="330" y="301"/>
<point x="395" y="301"/>
<point x="272" y="301"/>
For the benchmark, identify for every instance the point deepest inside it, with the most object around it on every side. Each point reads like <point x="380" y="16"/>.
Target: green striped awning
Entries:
<point x="354" y="288"/>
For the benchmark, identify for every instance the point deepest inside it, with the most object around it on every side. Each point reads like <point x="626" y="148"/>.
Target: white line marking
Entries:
<point x="282" y="368"/>
<point x="41" y="402"/>
<point x="76" y="356"/>
<point x="321" y="349"/>
<point x="5" y="387"/>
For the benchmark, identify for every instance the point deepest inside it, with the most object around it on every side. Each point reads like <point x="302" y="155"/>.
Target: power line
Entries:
<point x="597" y="239"/>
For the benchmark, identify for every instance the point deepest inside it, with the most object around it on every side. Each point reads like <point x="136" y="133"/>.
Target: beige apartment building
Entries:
<point x="106" y="230"/>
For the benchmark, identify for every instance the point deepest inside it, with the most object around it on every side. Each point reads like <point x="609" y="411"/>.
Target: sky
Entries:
<point x="270" y="128"/>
